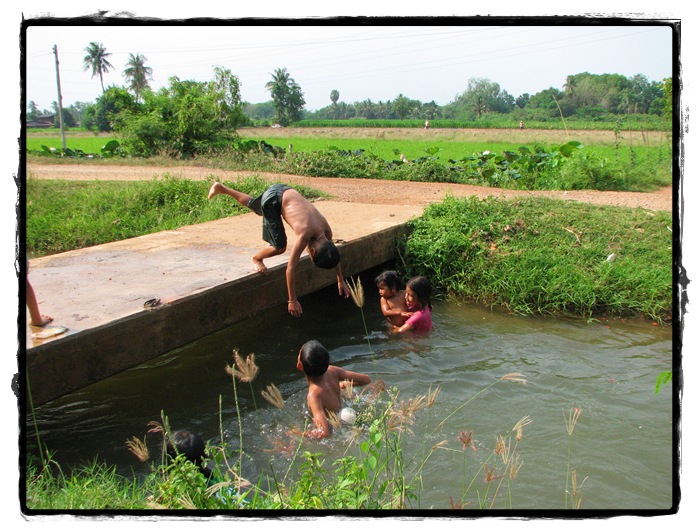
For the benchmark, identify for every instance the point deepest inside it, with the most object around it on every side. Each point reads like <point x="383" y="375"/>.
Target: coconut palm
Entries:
<point x="287" y="97"/>
<point x="137" y="74"/>
<point x="96" y="60"/>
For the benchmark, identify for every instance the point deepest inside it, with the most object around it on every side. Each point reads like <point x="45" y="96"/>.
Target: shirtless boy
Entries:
<point x="313" y="233"/>
<point x="324" y="384"/>
<point x="393" y="304"/>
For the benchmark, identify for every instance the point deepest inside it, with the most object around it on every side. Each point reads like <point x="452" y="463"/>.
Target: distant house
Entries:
<point x="41" y="122"/>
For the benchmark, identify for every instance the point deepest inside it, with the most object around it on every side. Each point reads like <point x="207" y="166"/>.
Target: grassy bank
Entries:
<point x="542" y="256"/>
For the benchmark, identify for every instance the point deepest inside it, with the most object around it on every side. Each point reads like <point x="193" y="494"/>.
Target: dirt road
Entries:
<point x="368" y="191"/>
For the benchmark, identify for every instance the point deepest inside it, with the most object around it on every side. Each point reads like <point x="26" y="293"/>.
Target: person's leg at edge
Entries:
<point x="218" y="188"/>
<point x="262" y="254"/>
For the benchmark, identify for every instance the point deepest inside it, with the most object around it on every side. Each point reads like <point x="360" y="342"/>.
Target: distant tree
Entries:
<point x="545" y="103"/>
<point x="96" y="60"/>
<point x="429" y="110"/>
<point x="259" y="111"/>
<point x="287" y="97"/>
<point x="522" y="101"/>
<point x="334" y="96"/>
<point x="32" y="111"/>
<point x="481" y="97"/>
<point x="102" y="115"/>
<point x="137" y="74"/>
<point x="77" y="109"/>
<point x="68" y="119"/>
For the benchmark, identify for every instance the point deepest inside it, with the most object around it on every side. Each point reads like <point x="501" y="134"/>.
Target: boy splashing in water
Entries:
<point x="313" y="233"/>
<point x="324" y="384"/>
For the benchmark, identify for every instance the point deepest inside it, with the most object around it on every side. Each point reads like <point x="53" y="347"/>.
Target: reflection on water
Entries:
<point x="622" y="443"/>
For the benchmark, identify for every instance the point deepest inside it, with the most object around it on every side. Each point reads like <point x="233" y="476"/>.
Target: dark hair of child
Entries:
<point x="315" y="358"/>
<point x="390" y="278"/>
<point x="422" y="288"/>
<point x="191" y="445"/>
<point x="327" y="256"/>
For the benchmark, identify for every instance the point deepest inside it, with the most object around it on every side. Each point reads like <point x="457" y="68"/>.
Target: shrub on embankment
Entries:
<point x="541" y="256"/>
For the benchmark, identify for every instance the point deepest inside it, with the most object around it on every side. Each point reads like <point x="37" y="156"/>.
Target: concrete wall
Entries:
<point x="69" y="363"/>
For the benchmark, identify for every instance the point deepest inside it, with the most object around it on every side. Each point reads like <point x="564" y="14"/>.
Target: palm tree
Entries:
<point x="96" y="60"/>
<point x="287" y="97"/>
<point x="137" y="74"/>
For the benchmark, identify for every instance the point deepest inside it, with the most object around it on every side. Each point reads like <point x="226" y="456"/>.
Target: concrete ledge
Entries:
<point x="83" y="357"/>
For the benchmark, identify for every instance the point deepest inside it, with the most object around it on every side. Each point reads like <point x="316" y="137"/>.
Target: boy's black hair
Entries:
<point x="390" y="278"/>
<point x="327" y="256"/>
<point x="422" y="288"/>
<point x="187" y="443"/>
<point x="315" y="358"/>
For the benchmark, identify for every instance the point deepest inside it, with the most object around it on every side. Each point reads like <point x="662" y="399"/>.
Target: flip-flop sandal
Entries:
<point x="50" y="331"/>
<point x="151" y="303"/>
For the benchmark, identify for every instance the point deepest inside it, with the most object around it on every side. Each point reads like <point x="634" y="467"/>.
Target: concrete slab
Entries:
<point x="203" y="276"/>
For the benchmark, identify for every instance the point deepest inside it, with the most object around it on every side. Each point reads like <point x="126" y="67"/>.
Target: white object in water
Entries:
<point x="348" y="415"/>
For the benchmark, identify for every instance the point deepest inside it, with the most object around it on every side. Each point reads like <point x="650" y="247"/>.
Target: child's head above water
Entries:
<point x="314" y="358"/>
<point x="389" y="279"/>
<point x="419" y="288"/>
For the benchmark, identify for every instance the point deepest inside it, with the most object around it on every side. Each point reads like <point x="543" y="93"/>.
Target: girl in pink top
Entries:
<point x="417" y="297"/>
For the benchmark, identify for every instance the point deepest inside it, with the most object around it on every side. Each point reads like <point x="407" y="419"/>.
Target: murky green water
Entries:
<point x="622" y="443"/>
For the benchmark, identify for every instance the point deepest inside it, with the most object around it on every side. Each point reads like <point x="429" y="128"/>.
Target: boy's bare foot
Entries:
<point x="260" y="266"/>
<point x="214" y="190"/>
<point x="45" y="319"/>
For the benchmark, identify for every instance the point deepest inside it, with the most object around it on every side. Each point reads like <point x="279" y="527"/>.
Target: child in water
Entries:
<point x="324" y="384"/>
<point x="393" y="304"/>
<point x="417" y="297"/>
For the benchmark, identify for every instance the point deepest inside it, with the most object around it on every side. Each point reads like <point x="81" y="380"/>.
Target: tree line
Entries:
<point x="187" y="117"/>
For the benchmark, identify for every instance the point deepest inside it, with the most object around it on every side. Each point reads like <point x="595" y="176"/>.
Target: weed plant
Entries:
<point x="541" y="256"/>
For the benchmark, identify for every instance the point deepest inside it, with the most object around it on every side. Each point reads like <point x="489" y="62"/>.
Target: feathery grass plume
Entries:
<point x="515" y="465"/>
<point x="273" y="396"/>
<point x="466" y="438"/>
<point x="490" y="474"/>
<point x="246" y="371"/>
<point x="347" y="388"/>
<point x="514" y="377"/>
<point x="333" y="419"/>
<point x="432" y="395"/>
<point x="502" y="448"/>
<point x="576" y="495"/>
<point x="138" y="448"/>
<point x="356" y="291"/>
<point x="519" y="427"/>
<point x="572" y="419"/>
<point x="285" y="447"/>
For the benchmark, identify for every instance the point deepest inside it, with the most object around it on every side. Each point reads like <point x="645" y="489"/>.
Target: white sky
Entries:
<point x="424" y="62"/>
<point x="526" y="61"/>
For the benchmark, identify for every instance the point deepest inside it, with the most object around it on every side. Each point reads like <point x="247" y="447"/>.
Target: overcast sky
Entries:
<point x="362" y="61"/>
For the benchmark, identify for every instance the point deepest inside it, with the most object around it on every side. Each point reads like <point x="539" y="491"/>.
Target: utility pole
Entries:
<point x="60" y="99"/>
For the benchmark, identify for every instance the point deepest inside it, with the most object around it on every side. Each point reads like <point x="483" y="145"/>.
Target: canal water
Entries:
<point x="622" y="444"/>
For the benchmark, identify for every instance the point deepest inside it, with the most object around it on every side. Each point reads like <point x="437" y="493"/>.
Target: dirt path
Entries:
<point x="368" y="191"/>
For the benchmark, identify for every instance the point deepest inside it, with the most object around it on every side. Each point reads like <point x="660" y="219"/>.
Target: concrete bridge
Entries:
<point x="202" y="275"/>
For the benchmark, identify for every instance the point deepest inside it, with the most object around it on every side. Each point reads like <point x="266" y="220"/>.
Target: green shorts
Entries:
<point x="269" y="206"/>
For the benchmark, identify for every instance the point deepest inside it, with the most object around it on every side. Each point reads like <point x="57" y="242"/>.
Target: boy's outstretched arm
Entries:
<point x="357" y="378"/>
<point x="322" y="429"/>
